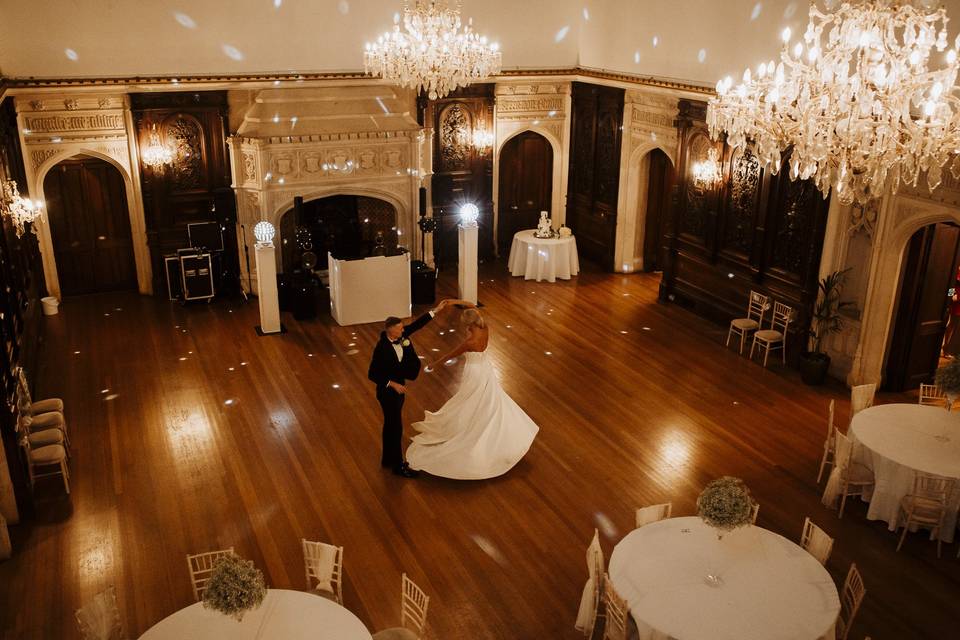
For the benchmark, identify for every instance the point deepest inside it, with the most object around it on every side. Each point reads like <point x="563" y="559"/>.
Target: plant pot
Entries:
<point x="813" y="367"/>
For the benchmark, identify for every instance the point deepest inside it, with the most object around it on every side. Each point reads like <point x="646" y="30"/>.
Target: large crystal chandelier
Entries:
<point x="862" y="103"/>
<point x="428" y="51"/>
<point x="20" y="210"/>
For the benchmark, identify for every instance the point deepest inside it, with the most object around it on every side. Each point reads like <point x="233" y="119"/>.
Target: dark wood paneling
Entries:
<point x="596" y="123"/>
<point x="658" y="201"/>
<point x="526" y="185"/>
<point x="192" y="189"/>
<point x="752" y="231"/>
<point x="461" y="172"/>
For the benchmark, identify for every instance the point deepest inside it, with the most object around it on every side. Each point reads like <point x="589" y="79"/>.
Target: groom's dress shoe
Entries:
<point x="405" y="471"/>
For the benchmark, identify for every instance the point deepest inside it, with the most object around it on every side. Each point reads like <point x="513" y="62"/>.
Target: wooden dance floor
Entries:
<point x="191" y="433"/>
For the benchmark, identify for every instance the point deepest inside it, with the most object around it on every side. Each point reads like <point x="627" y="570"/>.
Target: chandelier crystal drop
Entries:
<point x="865" y="101"/>
<point x="430" y="50"/>
<point x="155" y="155"/>
<point x="20" y="210"/>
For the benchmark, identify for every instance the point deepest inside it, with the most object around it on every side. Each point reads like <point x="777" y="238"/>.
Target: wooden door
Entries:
<point x="658" y="193"/>
<point x="526" y="185"/>
<point x="928" y="273"/>
<point x="87" y="206"/>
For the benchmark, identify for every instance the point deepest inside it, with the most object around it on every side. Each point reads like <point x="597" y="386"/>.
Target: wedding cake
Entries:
<point x="544" y="227"/>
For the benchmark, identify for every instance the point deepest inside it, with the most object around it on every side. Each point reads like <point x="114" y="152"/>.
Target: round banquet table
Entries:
<point x="543" y="258"/>
<point x="772" y="589"/>
<point x="896" y="441"/>
<point x="291" y="615"/>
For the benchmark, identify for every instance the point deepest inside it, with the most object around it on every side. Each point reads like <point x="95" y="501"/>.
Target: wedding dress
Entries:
<point x="479" y="433"/>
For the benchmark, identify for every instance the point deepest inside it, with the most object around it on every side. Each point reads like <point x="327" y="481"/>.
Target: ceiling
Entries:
<point x="698" y="41"/>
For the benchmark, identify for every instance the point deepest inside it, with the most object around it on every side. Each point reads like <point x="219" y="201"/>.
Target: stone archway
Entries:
<point x="631" y="221"/>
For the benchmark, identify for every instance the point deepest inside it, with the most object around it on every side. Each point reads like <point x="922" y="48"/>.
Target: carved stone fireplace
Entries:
<point x="317" y="142"/>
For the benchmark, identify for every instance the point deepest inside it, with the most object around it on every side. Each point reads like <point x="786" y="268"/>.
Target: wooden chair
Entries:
<point x="829" y="446"/>
<point x="616" y="623"/>
<point x="45" y="456"/>
<point x="776" y="336"/>
<point x="200" y="567"/>
<point x="861" y="397"/>
<point x="99" y="619"/>
<point x="930" y="394"/>
<point x="816" y="541"/>
<point x="925" y="506"/>
<point x="756" y="308"/>
<point x="855" y="478"/>
<point x="653" y="513"/>
<point x="46" y="405"/>
<point x="591" y="599"/>
<point x="850" y="598"/>
<point x="42" y="420"/>
<point x="323" y="564"/>
<point x="41" y="438"/>
<point x="413" y="614"/>
<point x="754" y="512"/>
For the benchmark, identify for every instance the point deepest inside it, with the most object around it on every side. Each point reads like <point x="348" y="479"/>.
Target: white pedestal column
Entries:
<point x="267" y="289"/>
<point x="468" y="262"/>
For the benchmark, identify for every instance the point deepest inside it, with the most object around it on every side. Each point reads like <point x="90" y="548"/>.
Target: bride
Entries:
<point x="480" y="432"/>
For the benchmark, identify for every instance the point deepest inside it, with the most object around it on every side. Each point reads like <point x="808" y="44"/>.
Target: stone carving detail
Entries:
<point x="39" y="156"/>
<point x="94" y="122"/>
<point x="103" y="103"/>
<point x="742" y="204"/>
<point x="283" y="164"/>
<point x="368" y="159"/>
<point x="311" y="163"/>
<point x="37" y="105"/>
<point x="391" y="158"/>
<point x="186" y="137"/>
<point x="541" y="103"/>
<point x="72" y="104"/>
<point x="249" y="167"/>
<point x="864" y="218"/>
<point x="455" y="129"/>
<point x="652" y="118"/>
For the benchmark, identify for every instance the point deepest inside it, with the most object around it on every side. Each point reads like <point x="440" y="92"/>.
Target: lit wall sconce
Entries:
<point x="20" y="210"/>
<point x="155" y="155"/>
<point x="706" y="173"/>
<point x="482" y="139"/>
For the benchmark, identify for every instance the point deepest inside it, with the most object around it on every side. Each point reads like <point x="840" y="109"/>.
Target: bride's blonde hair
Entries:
<point x="472" y="317"/>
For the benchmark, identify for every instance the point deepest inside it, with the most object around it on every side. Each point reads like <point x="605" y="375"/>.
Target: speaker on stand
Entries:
<point x="224" y="209"/>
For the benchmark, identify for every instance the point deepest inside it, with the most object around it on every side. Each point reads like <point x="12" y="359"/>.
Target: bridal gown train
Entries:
<point x="479" y="433"/>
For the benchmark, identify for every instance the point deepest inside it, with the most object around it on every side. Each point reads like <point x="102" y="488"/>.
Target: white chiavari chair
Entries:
<point x="99" y="619"/>
<point x="850" y="598"/>
<point x="653" y="513"/>
<point x="861" y="397"/>
<point x="754" y="512"/>
<point x="615" y="627"/>
<point x="775" y="337"/>
<point x="200" y="567"/>
<point x="413" y="614"/>
<point x="45" y="405"/>
<point x="756" y="308"/>
<point x="925" y="506"/>
<point x="816" y="541"/>
<point x="829" y="446"/>
<point x="53" y="455"/>
<point x="930" y="394"/>
<point x="323" y="565"/>
<point x="590" y="600"/>
<point x="855" y="478"/>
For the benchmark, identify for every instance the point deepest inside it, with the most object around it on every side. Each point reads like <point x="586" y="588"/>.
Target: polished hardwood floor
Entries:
<point x="191" y="433"/>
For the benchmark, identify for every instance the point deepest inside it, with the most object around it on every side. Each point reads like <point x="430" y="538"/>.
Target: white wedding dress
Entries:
<point x="479" y="433"/>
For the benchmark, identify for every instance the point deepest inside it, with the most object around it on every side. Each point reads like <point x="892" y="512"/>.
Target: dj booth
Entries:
<point x="190" y="271"/>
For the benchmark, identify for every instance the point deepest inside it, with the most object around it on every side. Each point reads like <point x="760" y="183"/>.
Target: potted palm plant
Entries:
<point x="826" y="319"/>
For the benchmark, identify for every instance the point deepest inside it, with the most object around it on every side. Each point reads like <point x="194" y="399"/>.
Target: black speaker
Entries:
<point x="174" y="278"/>
<point x="423" y="201"/>
<point x="225" y="206"/>
<point x="206" y="235"/>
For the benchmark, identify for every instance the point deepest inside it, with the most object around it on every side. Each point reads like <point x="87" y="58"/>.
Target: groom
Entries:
<point x="394" y="362"/>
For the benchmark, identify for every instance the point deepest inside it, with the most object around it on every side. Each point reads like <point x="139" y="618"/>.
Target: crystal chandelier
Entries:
<point x="155" y="155"/>
<point x="860" y="103"/>
<point x="20" y="210"/>
<point x="706" y="173"/>
<point x="429" y="52"/>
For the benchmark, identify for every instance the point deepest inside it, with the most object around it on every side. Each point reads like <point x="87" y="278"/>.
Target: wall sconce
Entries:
<point x="20" y="210"/>
<point x="482" y="139"/>
<point x="155" y="155"/>
<point x="706" y="173"/>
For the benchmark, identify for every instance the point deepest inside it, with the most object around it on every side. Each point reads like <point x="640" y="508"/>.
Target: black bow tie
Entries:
<point x="396" y="341"/>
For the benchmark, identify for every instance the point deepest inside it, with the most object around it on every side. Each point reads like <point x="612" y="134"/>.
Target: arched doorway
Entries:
<point x="660" y="179"/>
<point x="86" y="204"/>
<point x="526" y="185"/>
<point x="928" y="272"/>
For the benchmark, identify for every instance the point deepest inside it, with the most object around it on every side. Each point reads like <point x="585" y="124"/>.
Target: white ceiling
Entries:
<point x="696" y="40"/>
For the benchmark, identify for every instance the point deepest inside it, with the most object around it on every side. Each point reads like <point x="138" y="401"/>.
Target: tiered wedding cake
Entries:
<point x="544" y="227"/>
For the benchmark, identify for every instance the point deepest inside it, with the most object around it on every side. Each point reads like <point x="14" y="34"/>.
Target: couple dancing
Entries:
<point x="479" y="433"/>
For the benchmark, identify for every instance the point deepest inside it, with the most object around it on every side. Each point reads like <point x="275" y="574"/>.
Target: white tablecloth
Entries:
<point x="896" y="441"/>
<point x="543" y="258"/>
<point x="772" y="589"/>
<point x="284" y="615"/>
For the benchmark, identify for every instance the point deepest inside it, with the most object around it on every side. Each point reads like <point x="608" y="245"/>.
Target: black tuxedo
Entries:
<point x="385" y="367"/>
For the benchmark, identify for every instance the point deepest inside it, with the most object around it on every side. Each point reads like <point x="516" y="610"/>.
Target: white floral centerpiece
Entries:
<point x="235" y="587"/>
<point x="948" y="379"/>
<point x="725" y="504"/>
